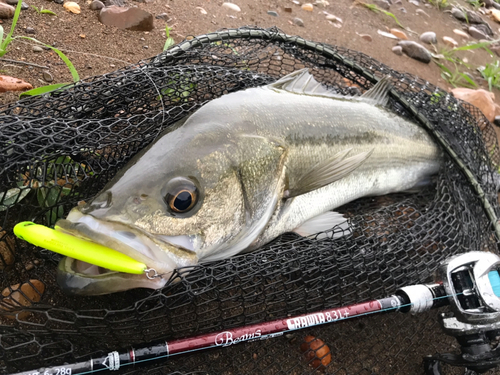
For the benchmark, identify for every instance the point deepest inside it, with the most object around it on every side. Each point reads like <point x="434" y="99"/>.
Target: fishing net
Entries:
<point x="62" y="148"/>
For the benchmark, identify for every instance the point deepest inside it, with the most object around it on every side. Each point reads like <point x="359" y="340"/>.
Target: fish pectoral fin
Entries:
<point x="378" y="94"/>
<point x="327" y="172"/>
<point x="324" y="222"/>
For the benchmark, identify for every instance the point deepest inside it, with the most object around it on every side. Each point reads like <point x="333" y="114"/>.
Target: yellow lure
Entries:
<point x="77" y="248"/>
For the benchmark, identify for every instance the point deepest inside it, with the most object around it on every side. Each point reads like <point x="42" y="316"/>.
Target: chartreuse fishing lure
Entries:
<point x="77" y="248"/>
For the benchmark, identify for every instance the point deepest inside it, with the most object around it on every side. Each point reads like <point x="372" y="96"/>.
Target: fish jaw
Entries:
<point x="78" y="277"/>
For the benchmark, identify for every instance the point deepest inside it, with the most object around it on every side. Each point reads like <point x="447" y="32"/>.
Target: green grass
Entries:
<point x="44" y="11"/>
<point x="4" y="43"/>
<point x="170" y="41"/>
<point x="491" y="73"/>
<point x="475" y="3"/>
<point x="439" y="4"/>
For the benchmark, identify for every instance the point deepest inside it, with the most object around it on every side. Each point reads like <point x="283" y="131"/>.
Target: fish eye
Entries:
<point x="181" y="195"/>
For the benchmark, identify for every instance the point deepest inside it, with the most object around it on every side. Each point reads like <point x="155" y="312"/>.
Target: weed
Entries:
<point x="44" y="11"/>
<point x="475" y="3"/>
<point x="376" y="9"/>
<point x="170" y="41"/>
<point x="439" y="4"/>
<point x="4" y="43"/>
<point x="491" y="73"/>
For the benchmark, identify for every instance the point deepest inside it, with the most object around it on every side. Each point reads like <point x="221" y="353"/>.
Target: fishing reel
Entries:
<point x="470" y="284"/>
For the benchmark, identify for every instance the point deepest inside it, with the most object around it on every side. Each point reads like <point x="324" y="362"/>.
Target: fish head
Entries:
<point x="186" y="199"/>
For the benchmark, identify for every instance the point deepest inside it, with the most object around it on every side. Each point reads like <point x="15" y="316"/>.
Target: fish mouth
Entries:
<point x="78" y="277"/>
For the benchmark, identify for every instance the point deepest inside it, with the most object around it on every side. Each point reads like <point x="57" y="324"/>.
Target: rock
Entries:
<point x="11" y="2"/>
<point x="402" y="10"/>
<point x="37" y="49"/>
<point x="58" y="1"/>
<point x="497" y="121"/>
<point x="415" y="51"/>
<point x="272" y="13"/>
<point x="232" y="6"/>
<point x="126" y="18"/>
<point x="287" y="9"/>
<point x="450" y="42"/>
<point x="6" y="11"/>
<point x="18" y="296"/>
<point x="24" y="6"/>
<point x="72" y="7"/>
<point x="398" y="50"/>
<point x="399" y="34"/>
<point x="386" y="34"/>
<point x="202" y="11"/>
<point x="463" y="34"/>
<point x="429" y="37"/>
<point x="476" y="34"/>
<point x="118" y="3"/>
<point x="384" y="4"/>
<point x="495" y="14"/>
<point x="96" y="5"/>
<point x="482" y="99"/>
<point x="484" y="28"/>
<point x="47" y="77"/>
<point x="495" y="5"/>
<point x="366" y="37"/>
<point x="7" y="243"/>
<point x="458" y="14"/>
<point x="307" y="7"/>
<point x="298" y="22"/>
<point x="415" y="2"/>
<point x="316" y="352"/>
<point x="30" y="30"/>
<point x="162" y="16"/>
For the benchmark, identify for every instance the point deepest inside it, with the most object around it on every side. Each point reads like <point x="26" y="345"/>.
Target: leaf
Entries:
<point x="63" y="57"/>
<point x="168" y="43"/>
<point x="45" y="89"/>
<point x="468" y="79"/>
<point x="47" y="11"/>
<point x="12" y="196"/>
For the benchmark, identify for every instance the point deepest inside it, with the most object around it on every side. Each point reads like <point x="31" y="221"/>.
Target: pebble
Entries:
<point x="231" y="6"/>
<point x="450" y="42"/>
<point x="429" y="37"/>
<point x="484" y="28"/>
<point x="415" y="51"/>
<point x="308" y="7"/>
<point x="298" y="22"/>
<point x="476" y="34"/>
<point x="398" y="50"/>
<point x="145" y="47"/>
<point x="415" y="2"/>
<point x="24" y="6"/>
<point x="47" y="77"/>
<point x="402" y="10"/>
<point x="72" y="7"/>
<point x="272" y="13"/>
<point x="29" y="266"/>
<point x="118" y="3"/>
<point x="11" y="2"/>
<point x="162" y="16"/>
<point x="126" y="18"/>
<point x="30" y="30"/>
<point x="497" y="121"/>
<point x="287" y="9"/>
<point x="366" y="37"/>
<point x="316" y="352"/>
<point x="386" y="34"/>
<point x="37" y="49"/>
<point x="463" y="34"/>
<point x="6" y="11"/>
<point x="458" y="14"/>
<point x="384" y="4"/>
<point x="398" y="2"/>
<point x="58" y="1"/>
<point x="399" y="34"/>
<point x="96" y="5"/>
<point x="422" y="12"/>
<point x="14" y="299"/>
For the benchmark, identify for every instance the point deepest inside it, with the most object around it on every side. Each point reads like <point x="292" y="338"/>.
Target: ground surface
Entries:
<point x="95" y="49"/>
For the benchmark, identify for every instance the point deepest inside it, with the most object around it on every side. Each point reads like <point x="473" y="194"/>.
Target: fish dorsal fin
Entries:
<point x="378" y="94"/>
<point x="302" y="82"/>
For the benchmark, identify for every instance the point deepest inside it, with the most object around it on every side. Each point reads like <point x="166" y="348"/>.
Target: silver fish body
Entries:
<point x="244" y="169"/>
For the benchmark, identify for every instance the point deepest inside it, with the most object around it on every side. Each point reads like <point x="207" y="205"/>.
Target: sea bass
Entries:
<point x="242" y="170"/>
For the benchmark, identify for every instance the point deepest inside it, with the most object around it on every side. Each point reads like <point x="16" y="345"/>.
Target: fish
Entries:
<point x="242" y="170"/>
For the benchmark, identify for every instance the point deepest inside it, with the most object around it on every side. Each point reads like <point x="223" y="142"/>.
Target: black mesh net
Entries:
<point x="62" y="148"/>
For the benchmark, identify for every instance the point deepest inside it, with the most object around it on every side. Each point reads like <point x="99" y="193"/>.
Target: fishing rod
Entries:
<point x="469" y="282"/>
